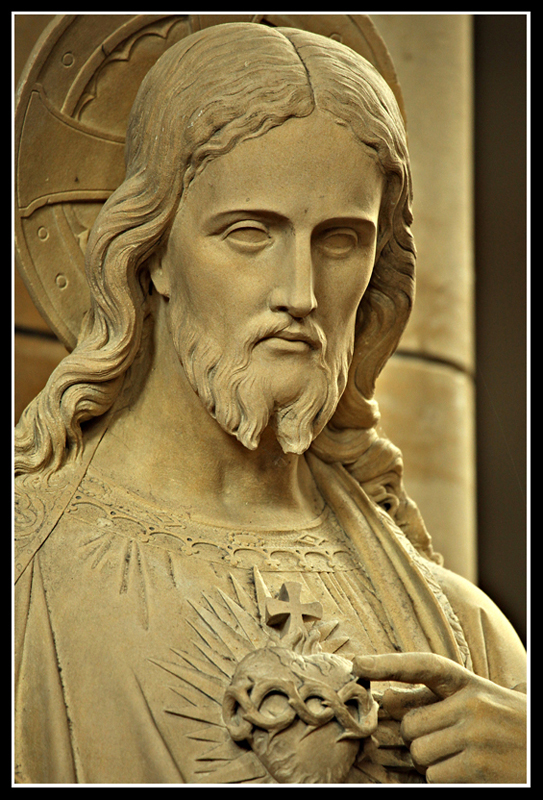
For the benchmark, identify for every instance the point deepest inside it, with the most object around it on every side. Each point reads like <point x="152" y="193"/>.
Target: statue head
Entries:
<point x="259" y="284"/>
<point x="207" y="95"/>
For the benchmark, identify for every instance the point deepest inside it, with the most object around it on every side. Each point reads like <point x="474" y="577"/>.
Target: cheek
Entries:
<point x="340" y="297"/>
<point x="196" y="288"/>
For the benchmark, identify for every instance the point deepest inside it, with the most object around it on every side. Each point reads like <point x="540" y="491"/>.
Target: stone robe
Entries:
<point x="130" y="622"/>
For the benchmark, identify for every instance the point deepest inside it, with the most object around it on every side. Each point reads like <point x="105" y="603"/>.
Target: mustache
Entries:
<point x="291" y="330"/>
<point x="287" y="328"/>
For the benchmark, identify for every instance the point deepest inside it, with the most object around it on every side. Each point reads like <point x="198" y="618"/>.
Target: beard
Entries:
<point x="244" y="398"/>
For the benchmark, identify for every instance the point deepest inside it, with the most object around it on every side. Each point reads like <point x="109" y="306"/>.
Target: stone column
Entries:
<point x="426" y="392"/>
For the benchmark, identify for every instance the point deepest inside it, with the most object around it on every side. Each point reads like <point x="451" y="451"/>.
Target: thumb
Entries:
<point x="443" y="676"/>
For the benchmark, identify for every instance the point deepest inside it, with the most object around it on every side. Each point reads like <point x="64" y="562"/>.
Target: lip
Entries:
<point x="294" y="337"/>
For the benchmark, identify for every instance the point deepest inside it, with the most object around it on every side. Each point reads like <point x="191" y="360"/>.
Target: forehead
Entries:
<point x="311" y="165"/>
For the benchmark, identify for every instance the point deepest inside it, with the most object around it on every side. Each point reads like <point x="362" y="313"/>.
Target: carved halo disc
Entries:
<point x="72" y="107"/>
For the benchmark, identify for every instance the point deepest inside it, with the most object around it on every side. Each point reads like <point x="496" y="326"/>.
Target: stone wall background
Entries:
<point x="454" y="396"/>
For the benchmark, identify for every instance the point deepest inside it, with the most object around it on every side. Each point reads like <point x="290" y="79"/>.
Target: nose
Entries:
<point x="294" y="291"/>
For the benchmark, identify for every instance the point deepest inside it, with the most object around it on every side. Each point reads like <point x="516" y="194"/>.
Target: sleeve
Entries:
<point x="496" y="650"/>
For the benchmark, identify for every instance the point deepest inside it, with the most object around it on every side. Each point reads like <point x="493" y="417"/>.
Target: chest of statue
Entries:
<point x="152" y="614"/>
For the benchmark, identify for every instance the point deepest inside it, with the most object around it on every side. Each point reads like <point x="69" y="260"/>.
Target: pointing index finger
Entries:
<point x="440" y="674"/>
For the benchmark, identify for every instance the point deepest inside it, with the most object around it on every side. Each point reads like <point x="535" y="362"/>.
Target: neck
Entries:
<point x="165" y="446"/>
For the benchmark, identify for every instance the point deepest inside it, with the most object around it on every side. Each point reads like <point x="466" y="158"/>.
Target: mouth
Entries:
<point x="293" y="340"/>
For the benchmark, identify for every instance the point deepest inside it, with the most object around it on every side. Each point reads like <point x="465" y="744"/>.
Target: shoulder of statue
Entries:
<point x="39" y="503"/>
<point x="40" y="499"/>
<point x="465" y="595"/>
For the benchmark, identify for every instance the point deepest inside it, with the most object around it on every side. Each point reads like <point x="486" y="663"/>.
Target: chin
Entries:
<point x="245" y="394"/>
<point x="296" y="411"/>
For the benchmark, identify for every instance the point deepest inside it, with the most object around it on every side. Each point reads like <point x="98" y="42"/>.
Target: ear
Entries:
<point x="158" y="273"/>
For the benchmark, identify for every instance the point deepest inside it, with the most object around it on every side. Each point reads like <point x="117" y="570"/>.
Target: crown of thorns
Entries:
<point x="351" y="705"/>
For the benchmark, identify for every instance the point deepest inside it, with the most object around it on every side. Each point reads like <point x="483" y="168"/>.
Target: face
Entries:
<point x="269" y="255"/>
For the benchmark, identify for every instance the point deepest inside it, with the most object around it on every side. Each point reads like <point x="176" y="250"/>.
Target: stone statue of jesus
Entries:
<point x="212" y="440"/>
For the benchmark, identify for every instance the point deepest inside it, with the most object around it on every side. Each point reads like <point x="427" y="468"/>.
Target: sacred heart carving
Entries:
<point x="302" y="715"/>
<point x="267" y="692"/>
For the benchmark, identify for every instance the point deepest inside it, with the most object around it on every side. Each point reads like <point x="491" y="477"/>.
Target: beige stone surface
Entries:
<point x="35" y="358"/>
<point x="220" y="577"/>
<point x="26" y="314"/>
<point x="428" y="407"/>
<point x="27" y="29"/>
<point x="427" y="410"/>
<point x="432" y="54"/>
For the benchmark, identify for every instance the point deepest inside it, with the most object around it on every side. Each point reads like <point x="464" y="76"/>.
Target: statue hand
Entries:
<point x="474" y="733"/>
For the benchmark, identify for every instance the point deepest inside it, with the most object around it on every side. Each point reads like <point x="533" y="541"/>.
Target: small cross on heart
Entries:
<point x="289" y="611"/>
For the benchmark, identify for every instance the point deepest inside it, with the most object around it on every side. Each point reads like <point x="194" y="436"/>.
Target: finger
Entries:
<point x="453" y="770"/>
<point x="397" y="702"/>
<point x="469" y="767"/>
<point x="435" y="747"/>
<point x="440" y="674"/>
<point x="423" y="721"/>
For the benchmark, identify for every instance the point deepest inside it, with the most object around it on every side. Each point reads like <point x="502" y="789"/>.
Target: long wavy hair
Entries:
<point x="208" y="92"/>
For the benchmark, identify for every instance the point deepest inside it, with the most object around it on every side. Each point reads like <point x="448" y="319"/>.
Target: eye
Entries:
<point x="338" y="242"/>
<point x="249" y="235"/>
